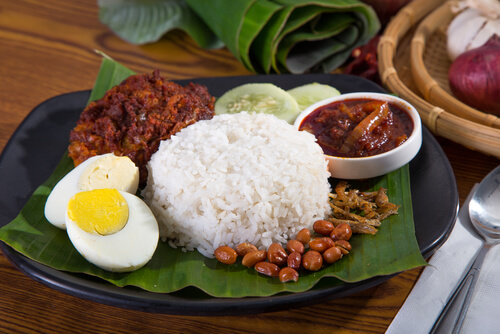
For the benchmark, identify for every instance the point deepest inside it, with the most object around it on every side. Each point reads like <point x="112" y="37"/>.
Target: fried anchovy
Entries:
<point x="356" y="227"/>
<point x="363" y="211"/>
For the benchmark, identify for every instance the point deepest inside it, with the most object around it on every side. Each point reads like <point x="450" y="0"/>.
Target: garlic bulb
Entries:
<point x="477" y="21"/>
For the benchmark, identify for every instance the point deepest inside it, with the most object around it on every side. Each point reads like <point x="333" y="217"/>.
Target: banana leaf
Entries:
<point x="110" y="74"/>
<point x="392" y="250"/>
<point x="146" y="21"/>
<point x="256" y="17"/>
<point x="293" y="36"/>
<point x="267" y="36"/>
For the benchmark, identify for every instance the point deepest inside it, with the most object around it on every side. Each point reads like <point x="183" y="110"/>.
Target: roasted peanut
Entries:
<point x="294" y="260"/>
<point x="267" y="268"/>
<point x="321" y="244"/>
<point x="317" y="245"/>
<point x="225" y="254"/>
<point x="288" y="274"/>
<point x="329" y="241"/>
<point x="332" y="255"/>
<point x="276" y="254"/>
<point x="304" y="236"/>
<point x="254" y="257"/>
<point x="341" y="232"/>
<point x="244" y="248"/>
<point x="312" y="260"/>
<point x="344" y="245"/>
<point x="323" y="227"/>
<point x="295" y="246"/>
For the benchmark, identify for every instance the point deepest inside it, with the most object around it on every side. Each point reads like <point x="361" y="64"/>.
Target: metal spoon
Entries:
<point x="484" y="212"/>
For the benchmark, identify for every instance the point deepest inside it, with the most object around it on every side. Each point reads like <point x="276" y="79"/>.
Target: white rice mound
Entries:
<point x="237" y="178"/>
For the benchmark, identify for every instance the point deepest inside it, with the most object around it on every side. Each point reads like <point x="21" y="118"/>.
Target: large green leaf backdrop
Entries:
<point x="267" y="36"/>
<point x="393" y="249"/>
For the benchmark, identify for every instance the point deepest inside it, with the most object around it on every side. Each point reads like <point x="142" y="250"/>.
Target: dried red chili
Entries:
<point x="364" y="61"/>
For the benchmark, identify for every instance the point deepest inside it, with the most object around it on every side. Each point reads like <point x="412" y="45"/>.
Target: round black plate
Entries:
<point x="36" y="147"/>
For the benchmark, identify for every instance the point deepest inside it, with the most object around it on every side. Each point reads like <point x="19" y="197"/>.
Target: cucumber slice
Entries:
<point x="260" y="98"/>
<point x="309" y="94"/>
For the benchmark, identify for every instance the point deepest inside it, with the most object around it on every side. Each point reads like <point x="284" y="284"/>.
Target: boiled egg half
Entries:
<point x="98" y="172"/>
<point x="112" y="229"/>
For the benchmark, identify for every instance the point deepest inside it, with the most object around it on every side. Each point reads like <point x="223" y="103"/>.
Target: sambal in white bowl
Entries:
<point x="364" y="135"/>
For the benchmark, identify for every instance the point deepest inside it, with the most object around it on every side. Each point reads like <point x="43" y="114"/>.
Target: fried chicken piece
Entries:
<point x="135" y="116"/>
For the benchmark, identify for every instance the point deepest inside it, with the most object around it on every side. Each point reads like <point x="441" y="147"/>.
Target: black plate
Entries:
<point x="36" y="147"/>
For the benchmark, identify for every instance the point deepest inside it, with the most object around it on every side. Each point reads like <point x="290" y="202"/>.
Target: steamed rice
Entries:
<point x="237" y="178"/>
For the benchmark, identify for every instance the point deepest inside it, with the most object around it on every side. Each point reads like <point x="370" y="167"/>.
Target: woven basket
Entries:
<point x="413" y="63"/>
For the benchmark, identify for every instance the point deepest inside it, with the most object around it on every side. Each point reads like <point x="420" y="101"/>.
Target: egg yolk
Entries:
<point x="100" y="211"/>
<point x="109" y="172"/>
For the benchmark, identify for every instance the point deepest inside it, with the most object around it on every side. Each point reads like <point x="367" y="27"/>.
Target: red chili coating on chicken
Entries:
<point x="135" y="116"/>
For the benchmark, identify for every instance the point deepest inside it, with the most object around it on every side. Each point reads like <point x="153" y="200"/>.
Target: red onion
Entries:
<point x="385" y="9"/>
<point x="475" y="77"/>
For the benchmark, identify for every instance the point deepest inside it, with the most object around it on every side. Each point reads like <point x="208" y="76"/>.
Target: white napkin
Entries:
<point x="439" y="280"/>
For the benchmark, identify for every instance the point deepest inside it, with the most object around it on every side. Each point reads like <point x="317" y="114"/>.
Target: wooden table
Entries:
<point x="47" y="49"/>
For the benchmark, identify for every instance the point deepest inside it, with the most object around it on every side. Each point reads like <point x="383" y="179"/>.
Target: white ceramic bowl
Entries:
<point x="372" y="166"/>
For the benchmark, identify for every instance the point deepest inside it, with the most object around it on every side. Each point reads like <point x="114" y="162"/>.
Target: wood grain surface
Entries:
<point x="46" y="49"/>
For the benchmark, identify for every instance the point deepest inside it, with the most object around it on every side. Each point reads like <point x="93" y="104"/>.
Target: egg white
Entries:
<point x="57" y="202"/>
<point x="126" y="250"/>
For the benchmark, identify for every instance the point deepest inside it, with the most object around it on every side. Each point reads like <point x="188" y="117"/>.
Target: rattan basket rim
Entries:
<point x="439" y="120"/>
<point x="428" y="86"/>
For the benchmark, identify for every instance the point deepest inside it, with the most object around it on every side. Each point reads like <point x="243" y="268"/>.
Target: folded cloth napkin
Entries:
<point x="439" y="280"/>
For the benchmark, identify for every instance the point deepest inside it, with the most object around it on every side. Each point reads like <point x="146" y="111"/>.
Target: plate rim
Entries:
<point x="141" y="300"/>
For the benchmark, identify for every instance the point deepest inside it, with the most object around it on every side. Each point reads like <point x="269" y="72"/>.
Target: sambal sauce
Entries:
<point x="358" y="128"/>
